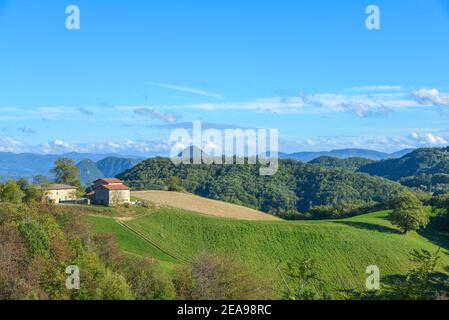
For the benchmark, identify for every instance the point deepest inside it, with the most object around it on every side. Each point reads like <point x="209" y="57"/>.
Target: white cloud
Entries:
<point x="428" y="139"/>
<point x="363" y="110"/>
<point x="378" y="88"/>
<point x="154" y="113"/>
<point x="380" y="143"/>
<point x="127" y="147"/>
<point x="184" y="89"/>
<point x="11" y="145"/>
<point x="362" y="105"/>
<point x="432" y="96"/>
<point x="8" y="109"/>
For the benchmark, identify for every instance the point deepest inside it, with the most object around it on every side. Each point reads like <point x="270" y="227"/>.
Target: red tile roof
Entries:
<point x="109" y="180"/>
<point x="115" y="187"/>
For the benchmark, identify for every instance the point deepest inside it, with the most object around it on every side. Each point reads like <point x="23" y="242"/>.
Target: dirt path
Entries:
<point x="202" y="205"/>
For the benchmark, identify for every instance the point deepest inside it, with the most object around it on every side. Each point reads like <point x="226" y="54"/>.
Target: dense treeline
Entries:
<point x="351" y="164"/>
<point x="20" y="191"/>
<point x="425" y="169"/>
<point x="296" y="187"/>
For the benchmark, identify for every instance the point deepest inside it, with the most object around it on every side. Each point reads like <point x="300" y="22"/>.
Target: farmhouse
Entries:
<point x="109" y="192"/>
<point x="57" y="193"/>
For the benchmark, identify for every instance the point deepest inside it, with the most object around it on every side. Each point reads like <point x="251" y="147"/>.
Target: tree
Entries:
<point x="301" y="281"/>
<point x="421" y="281"/>
<point x="173" y="184"/>
<point x="33" y="194"/>
<point x="23" y="184"/>
<point x="11" y="192"/>
<point x="146" y="279"/>
<point x="66" y="172"/>
<point x="41" y="180"/>
<point x="408" y="214"/>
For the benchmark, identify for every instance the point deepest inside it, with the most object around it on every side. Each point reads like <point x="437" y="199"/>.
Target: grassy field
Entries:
<point x="190" y="202"/>
<point x="341" y="249"/>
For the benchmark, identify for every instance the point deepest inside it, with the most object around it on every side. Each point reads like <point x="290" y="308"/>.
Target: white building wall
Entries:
<point x="56" y="196"/>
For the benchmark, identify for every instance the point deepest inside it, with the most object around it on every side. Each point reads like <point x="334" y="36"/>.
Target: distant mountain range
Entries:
<point x="29" y="165"/>
<point x="344" y="154"/>
<point x="91" y="165"/>
<point x="90" y="171"/>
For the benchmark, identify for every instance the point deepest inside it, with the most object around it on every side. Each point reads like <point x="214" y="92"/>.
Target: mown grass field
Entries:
<point x="194" y="203"/>
<point x="341" y="249"/>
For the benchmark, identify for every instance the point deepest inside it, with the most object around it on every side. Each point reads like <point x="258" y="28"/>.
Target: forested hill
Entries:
<point x="427" y="169"/>
<point x="296" y="187"/>
<point x="351" y="164"/>
<point x="90" y="171"/>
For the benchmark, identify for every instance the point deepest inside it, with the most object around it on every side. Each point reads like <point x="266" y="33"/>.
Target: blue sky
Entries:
<point x="136" y="70"/>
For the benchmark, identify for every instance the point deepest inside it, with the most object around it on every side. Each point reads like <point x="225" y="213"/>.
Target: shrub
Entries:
<point x="216" y="277"/>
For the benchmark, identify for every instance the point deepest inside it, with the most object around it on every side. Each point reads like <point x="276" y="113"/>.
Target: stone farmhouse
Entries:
<point x="59" y="193"/>
<point x="109" y="192"/>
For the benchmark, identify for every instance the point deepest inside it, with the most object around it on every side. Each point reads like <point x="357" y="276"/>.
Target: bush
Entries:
<point x="216" y="277"/>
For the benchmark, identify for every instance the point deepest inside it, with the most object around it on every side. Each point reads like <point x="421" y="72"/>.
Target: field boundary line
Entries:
<point x="151" y="242"/>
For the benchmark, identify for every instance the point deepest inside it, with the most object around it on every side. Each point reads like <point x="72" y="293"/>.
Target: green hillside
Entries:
<point x="351" y="164"/>
<point x="342" y="249"/>
<point x="294" y="189"/>
<point x="427" y="169"/>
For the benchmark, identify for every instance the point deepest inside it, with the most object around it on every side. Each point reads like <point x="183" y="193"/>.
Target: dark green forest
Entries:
<point x="296" y="189"/>
<point x="425" y="169"/>
<point x="351" y="164"/>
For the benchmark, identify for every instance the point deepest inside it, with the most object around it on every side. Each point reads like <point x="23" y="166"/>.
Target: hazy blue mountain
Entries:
<point x="344" y="154"/>
<point x="401" y="153"/>
<point x="28" y="165"/>
<point x="88" y="172"/>
<point x="112" y="166"/>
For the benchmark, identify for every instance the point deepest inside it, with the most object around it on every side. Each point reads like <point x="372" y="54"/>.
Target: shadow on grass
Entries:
<point x="436" y="232"/>
<point x="369" y="226"/>
<point x="392" y="288"/>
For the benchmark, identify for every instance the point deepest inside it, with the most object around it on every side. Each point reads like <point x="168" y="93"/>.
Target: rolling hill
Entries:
<point x="427" y="169"/>
<point x="295" y="188"/>
<point x="201" y="205"/>
<point x="351" y="164"/>
<point x="344" y="153"/>
<point x="341" y="249"/>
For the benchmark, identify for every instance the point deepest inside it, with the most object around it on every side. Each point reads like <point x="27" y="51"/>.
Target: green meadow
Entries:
<point x="341" y="249"/>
